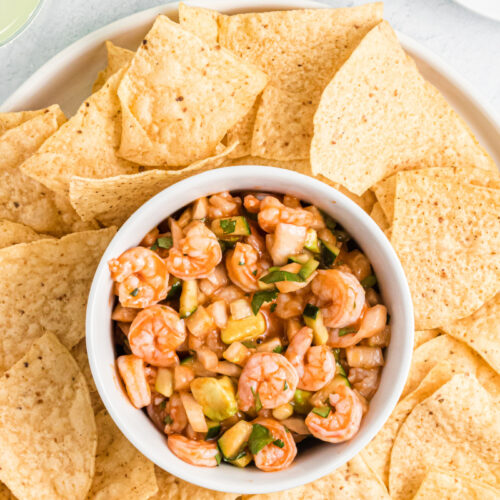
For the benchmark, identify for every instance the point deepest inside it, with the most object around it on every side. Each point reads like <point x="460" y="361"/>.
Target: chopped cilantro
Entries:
<point x="249" y="344"/>
<point x="256" y="397"/>
<point x="324" y="411"/>
<point x="259" y="438"/>
<point x="167" y="420"/>
<point x="165" y="242"/>
<point x="345" y="331"/>
<point x="134" y="292"/>
<point x="155" y="246"/>
<point x="227" y="225"/>
<point x="262" y="296"/>
<point x="279" y="443"/>
<point x="278" y="349"/>
<point x="285" y="386"/>
<point x="279" y="275"/>
<point x="254" y="272"/>
<point x="273" y="307"/>
<point x="369" y="281"/>
<point x="241" y="263"/>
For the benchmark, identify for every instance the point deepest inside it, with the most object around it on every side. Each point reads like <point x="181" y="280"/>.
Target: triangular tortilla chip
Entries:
<point x="201" y="22"/>
<point x="118" y="58"/>
<point x="447" y="235"/>
<point x="377" y="214"/>
<point x="120" y="470"/>
<point x="44" y="286"/>
<point x="378" y="115"/>
<point x="457" y="428"/>
<point x="300" y="50"/>
<point x="180" y="95"/>
<point x="23" y="199"/>
<point x="481" y="331"/>
<point x="47" y="427"/>
<point x="423" y="336"/>
<point x="86" y="145"/>
<point x="12" y="233"/>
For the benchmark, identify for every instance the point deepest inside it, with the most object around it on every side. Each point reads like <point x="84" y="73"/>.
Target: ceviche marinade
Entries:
<point x="245" y="324"/>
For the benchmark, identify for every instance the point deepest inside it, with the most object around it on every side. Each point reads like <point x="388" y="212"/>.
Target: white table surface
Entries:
<point x="468" y="42"/>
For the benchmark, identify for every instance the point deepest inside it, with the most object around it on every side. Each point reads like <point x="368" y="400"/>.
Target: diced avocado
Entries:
<point x="189" y="298"/>
<point x="242" y="459"/>
<point x="213" y="429"/>
<point x="329" y="253"/>
<point x="234" y="440"/>
<point x="216" y="396"/>
<point x="312" y="243"/>
<point x="308" y="268"/>
<point x="314" y="319"/>
<point x="301" y="402"/>
<point x="164" y="383"/>
<point x="243" y="329"/>
<point x="230" y="226"/>
<point x="175" y="289"/>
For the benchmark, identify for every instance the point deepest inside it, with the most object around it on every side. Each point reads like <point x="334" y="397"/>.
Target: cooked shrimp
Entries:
<point x="273" y="457"/>
<point x="359" y="264"/>
<point x="242" y="265"/>
<point x="256" y="240"/>
<point x="223" y="205"/>
<point x="272" y="212"/>
<point x="142" y="277"/>
<point x="315" y="365"/>
<point x="201" y="453"/>
<point x="341" y="424"/>
<point x="289" y="305"/>
<point x="155" y="334"/>
<point x="177" y="420"/>
<point x="340" y="297"/>
<point x="251" y="203"/>
<point x="373" y="322"/>
<point x="198" y="253"/>
<point x="131" y="369"/>
<point x="268" y="377"/>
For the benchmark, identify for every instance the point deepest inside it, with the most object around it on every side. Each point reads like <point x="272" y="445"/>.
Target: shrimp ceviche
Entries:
<point x="245" y="324"/>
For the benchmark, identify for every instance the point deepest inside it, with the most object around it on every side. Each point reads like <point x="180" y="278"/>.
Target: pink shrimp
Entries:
<point x="178" y="419"/>
<point x="142" y="277"/>
<point x="269" y="378"/>
<point x="198" y="253"/>
<point x="131" y="369"/>
<point x="340" y="297"/>
<point x="315" y="365"/>
<point x="155" y="334"/>
<point x="341" y="424"/>
<point x="223" y="205"/>
<point x="272" y="212"/>
<point x="242" y="265"/>
<point x="273" y="457"/>
<point x="201" y="453"/>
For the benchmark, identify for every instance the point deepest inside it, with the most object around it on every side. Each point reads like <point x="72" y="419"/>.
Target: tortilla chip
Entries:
<point x="446" y="359"/>
<point x="118" y="58"/>
<point x="79" y="353"/>
<point x="12" y="233"/>
<point x="44" y="286"/>
<point x="446" y="486"/>
<point x="47" y="427"/>
<point x="481" y="331"/>
<point x="378" y="115"/>
<point x="22" y="199"/>
<point x="120" y="470"/>
<point x="385" y="190"/>
<point x="181" y="95"/>
<point x="457" y="428"/>
<point x="86" y="145"/>
<point x="113" y="200"/>
<point x="201" y="22"/>
<point x="377" y="214"/>
<point x="173" y="488"/>
<point x="423" y="336"/>
<point x="5" y="493"/>
<point x="16" y="118"/>
<point x="447" y="236"/>
<point x="300" y="50"/>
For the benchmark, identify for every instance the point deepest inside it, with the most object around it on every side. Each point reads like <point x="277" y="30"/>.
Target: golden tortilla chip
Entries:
<point x="118" y="58"/>
<point x="378" y="115"/>
<point x="446" y="359"/>
<point x="180" y="95"/>
<point x="47" y="427"/>
<point x="113" y="200"/>
<point x="5" y="493"/>
<point x="423" y="336"/>
<point x="86" y="145"/>
<point x="457" y="428"/>
<point x="377" y="214"/>
<point x="44" y="286"/>
<point x="121" y="472"/>
<point x="16" y="118"/>
<point x="12" y="233"/>
<point x="481" y="331"/>
<point x="442" y="485"/>
<point x="447" y="236"/>
<point x="300" y="50"/>
<point x="202" y="22"/>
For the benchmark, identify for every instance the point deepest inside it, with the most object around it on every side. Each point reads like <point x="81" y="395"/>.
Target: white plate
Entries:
<point x="486" y="8"/>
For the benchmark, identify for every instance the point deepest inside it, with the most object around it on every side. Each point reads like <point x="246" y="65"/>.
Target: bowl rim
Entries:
<point x="136" y="227"/>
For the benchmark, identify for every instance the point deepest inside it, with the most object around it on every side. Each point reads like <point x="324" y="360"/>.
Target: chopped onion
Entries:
<point x="240" y="309"/>
<point x="194" y="412"/>
<point x="364" y="357"/>
<point x="217" y="310"/>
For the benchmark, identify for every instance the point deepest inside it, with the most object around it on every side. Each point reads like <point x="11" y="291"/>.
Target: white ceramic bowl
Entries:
<point x="316" y="460"/>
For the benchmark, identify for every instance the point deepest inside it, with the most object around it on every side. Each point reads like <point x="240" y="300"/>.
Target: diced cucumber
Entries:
<point x="213" y="429"/>
<point x="340" y="368"/>
<point x="329" y="253"/>
<point x="340" y="380"/>
<point x="242" y="459"/>
<point x="314" y="319"/>
<point x="188" y="361"/>
<point x="300" y="258"/>
<point x="301" y="402"/>
<point x="308" y="268"/>
<point x="243" y="329"/>
<point x="312" y="243"/>
<point x="230" y="226"/>
<point x="175" y="289"/>
<point x="278" y="275"/>
<point x="189" y="298"/>
<point x="164" y="383"/>
<point x="234" y="440"/>
<point x="216" y="396"/>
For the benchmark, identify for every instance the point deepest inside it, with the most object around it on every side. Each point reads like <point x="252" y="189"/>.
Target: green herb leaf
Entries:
<point x="275" y="276"/>
<point x="167" y="420"/>
<point x="218" y="457"/>
<point x="323" y="411"/>
<point x="345" y="331"/>
<point x="165" y="242"/>
<point x="254" y="272"/>
<point x="227" y="225"/>
<point x="336" y="354"/>
<point x="134" y="292"/>
<point x="279" y="350"/>
<point x="241" y="263"/>
<point x="213" y="432"/>
<point x="285" y="386"/>
<point x="155" y="246"/>
<point x="273" y="307"/>
<point x="369" y="281"/>
<point x="262" y="296"/>
<point x="163" y="404"/>
<point x="310" y="311"/>
<point x="256" y="397"/>
<point x="259" y="438"/>
<point x="249" y="344"/>
<point x="329" y="222"/>
<point x="279" y="443"/>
